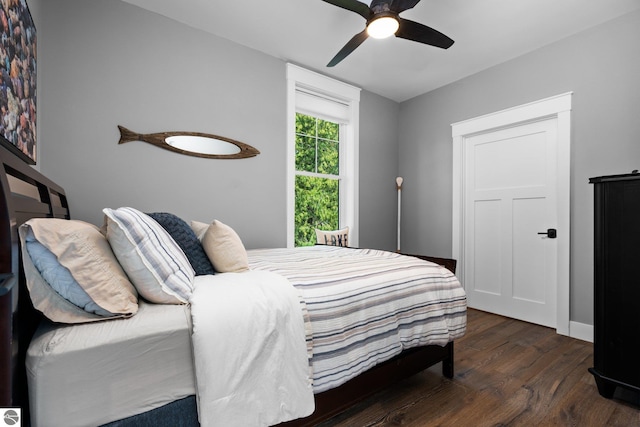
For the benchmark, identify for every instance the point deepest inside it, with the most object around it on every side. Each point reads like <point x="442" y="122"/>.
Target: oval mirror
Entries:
<point x="193" y="144"/>
<point x="202" y="145"/>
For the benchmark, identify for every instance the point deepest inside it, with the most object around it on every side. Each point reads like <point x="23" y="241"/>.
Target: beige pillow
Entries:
<point x="80" y="249"/>
<point x="333" y="238"/>
<point x="199" y="228"/>
<point x="224" y="248"/>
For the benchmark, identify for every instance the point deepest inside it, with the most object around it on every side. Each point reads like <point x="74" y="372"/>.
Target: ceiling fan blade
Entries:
<point x="354" y="6"/>
<point x="402" y="5"/>
<point x="348" y="48"/>
<point x="411" y="30"/>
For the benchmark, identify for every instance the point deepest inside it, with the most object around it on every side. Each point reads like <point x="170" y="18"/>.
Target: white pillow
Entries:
<point x="223" y="247"/>
<point x="71" y="272"/>
<point x="333" y="238"/>
<point x="154" y="262"/>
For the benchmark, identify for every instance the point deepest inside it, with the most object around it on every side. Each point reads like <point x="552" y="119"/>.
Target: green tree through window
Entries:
<point x="317" y="177"/>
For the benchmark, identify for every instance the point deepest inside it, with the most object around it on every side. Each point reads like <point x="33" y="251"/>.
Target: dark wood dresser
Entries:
<point x="617" y="283"/>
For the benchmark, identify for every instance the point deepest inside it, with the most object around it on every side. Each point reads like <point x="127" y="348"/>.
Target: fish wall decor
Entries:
<point x="193" y="144"/>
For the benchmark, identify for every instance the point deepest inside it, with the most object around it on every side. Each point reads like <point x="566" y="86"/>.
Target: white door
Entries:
<point x="510" y="198"/>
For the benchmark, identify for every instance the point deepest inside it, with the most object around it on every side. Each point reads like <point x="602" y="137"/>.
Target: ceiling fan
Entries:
<point x="383" y="20"/>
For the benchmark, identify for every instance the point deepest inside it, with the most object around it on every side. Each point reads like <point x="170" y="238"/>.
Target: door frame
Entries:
<point x="558" y="107"/>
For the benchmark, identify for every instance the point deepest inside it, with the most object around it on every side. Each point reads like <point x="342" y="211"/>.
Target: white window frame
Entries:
<point x="347" y="114"/>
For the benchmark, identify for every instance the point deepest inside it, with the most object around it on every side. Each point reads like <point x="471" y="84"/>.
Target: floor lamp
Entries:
<point x="399" y="188"/>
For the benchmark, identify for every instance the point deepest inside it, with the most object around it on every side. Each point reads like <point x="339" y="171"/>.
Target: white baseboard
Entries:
<point x="581" y="331"/>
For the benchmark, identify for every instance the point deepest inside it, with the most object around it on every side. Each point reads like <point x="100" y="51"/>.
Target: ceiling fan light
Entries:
<point x="383" y="27"/>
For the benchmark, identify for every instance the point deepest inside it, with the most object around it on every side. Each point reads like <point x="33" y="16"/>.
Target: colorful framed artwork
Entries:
<point x="18" y="79"/>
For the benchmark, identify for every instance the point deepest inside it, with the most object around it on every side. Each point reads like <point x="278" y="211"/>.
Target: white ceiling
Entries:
<point x="310" y="32"/>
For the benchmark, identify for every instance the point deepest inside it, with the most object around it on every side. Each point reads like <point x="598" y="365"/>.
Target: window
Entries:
<point x="322" y="155"/>
<point x="317" y="180"/>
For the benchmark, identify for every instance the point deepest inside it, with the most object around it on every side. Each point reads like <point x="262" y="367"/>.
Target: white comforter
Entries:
<point x="251" y="359"/>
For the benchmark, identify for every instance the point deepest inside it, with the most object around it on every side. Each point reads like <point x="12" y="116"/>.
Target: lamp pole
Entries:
<point x="399" y="188"/>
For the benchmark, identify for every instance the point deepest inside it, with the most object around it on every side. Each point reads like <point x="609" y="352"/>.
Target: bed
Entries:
<point x="159" y="384"/>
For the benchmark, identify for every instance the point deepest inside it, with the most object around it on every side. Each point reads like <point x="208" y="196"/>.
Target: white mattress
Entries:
<point x="110" y="370"/>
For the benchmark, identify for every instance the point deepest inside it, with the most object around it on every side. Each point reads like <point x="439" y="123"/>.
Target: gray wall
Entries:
<point x="378" y="171"/>
<point x="108" y="63"/>
<point x="602" y="68"/>
<point x="104" y="63"/>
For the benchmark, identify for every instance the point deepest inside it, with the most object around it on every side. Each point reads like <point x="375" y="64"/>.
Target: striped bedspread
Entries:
<point x="366" y="306"/>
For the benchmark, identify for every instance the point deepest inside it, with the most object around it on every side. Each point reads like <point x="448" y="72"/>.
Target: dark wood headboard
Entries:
<point x="26" y="193"/>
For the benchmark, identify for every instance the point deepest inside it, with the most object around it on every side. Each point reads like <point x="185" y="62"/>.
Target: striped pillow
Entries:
<point x="154" y="262"/>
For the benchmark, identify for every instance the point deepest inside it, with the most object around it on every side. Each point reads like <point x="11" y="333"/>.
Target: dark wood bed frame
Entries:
<point x="26" y="194"/>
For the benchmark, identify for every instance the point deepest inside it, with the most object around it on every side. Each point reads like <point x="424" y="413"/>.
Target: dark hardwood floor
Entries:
<point x="507" y="373"/>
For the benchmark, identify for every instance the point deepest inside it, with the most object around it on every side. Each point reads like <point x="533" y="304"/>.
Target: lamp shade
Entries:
<point x="383" y="27"/>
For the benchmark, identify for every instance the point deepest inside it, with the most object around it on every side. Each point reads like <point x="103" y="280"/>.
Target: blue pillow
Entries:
<point x="187" y="240"/>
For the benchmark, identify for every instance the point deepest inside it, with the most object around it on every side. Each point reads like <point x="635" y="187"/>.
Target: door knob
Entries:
<point x="550" y="233"/>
